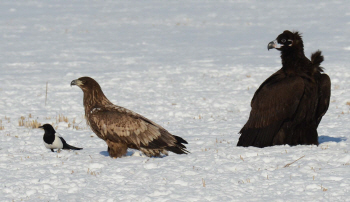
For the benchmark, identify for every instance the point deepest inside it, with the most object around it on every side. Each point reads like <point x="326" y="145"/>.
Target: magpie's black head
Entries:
<point x="287" y="41"/>
<point x="48" y="128"/>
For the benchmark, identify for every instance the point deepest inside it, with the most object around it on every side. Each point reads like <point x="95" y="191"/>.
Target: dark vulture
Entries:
<point x="289" y="105"/>
<point x="121" y="128"/>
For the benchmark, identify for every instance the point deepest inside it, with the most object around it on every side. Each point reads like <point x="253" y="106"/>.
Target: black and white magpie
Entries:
<point x="53" y="140"/>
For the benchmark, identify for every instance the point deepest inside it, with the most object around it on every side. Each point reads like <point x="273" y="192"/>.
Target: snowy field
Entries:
<point x="190" y="66"/>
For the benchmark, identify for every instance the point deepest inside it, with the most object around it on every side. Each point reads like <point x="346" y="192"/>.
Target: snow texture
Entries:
<point x="190" y="66"/>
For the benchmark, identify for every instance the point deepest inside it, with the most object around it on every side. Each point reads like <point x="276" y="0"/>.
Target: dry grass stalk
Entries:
<point x="1" y="126"/>
<point x="288" y="164"/>
<point x="32" y="124"/>
<point x="62" y="118"/>
<point x="77" y="128"/>
<point x="94" y="173"/>
<point x="324" y="147"/>
<point x="323" y="188"/>
<point x="241" y="157"/>
<point x="7" y="119"/>
<point x="21" y="121"/>
<point x="29" y="123"/>
<point x="46" y="93"/>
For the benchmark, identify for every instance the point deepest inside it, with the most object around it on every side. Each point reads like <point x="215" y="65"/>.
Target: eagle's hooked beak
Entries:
<point x="74" y="82"/>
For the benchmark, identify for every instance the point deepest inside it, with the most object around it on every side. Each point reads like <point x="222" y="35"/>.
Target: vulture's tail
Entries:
<point x="316" y="59"/>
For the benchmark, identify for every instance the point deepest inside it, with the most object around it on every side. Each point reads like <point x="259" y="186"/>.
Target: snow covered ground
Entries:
<point x="190" y="66"/>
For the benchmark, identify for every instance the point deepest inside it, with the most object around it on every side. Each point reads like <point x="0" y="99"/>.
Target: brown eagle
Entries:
<point x="121" y="128"/>
<point x="289" y="105"/>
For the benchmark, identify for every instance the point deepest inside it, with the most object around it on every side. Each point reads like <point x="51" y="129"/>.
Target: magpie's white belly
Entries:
<point x="57" y="144"/>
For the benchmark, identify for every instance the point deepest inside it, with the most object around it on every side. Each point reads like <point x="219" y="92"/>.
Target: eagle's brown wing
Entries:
<point x="274" y="102"/>
<point x="121" y="125"/>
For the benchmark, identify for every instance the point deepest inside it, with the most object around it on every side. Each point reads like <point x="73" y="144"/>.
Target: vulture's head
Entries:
<point x="287" y="41"/>
<point x="85" y="83"/>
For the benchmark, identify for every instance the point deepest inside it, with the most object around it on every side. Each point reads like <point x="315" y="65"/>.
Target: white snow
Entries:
<point x="190" y="66"/>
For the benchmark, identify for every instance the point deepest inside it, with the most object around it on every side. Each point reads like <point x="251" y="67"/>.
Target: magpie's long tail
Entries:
<point x="67" y="146"/>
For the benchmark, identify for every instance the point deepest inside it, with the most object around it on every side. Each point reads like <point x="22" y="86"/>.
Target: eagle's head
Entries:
<point x="93" y="93"/>
<point x="287" y="41"/>
<point x="85" y="83"/>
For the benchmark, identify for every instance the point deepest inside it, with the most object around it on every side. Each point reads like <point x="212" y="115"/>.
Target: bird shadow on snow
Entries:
<point x="104" y="153"/>
<point x="322" y="139"/>
<point x="129" y="153"/>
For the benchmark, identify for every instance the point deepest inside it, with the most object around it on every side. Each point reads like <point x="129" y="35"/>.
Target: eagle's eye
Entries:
<point x="283" y="41"/>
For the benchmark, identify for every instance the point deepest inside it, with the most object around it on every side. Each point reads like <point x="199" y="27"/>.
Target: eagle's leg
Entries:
<point x="116" y="150"/>
<point x="154" y="152"/>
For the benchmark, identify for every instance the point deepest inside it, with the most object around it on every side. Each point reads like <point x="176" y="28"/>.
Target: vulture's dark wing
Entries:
<point x="275" y="101"/>
<point x="324" y="96"/>
<point x="118" y="124"/>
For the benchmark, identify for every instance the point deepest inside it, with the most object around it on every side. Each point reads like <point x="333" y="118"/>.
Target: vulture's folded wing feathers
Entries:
<point x="275" y="101"/>
<point x="325" y="94"/>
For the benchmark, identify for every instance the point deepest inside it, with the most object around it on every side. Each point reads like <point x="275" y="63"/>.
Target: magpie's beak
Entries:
<point x="272" y="44"/>
<point x="74" y="82"/>
<point x="42" y="127"/>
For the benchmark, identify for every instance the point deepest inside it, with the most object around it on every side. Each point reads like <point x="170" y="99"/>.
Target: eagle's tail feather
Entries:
<point x="180" y="140"/>
<point x="178" y="149"/>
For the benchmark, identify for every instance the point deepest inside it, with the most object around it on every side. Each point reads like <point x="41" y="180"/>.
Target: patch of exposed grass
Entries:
<point x="28" y="123"/>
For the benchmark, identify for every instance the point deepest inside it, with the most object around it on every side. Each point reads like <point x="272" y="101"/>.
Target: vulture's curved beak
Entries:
<point x="73" y="83"/>
<point x="272" y="44"/>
